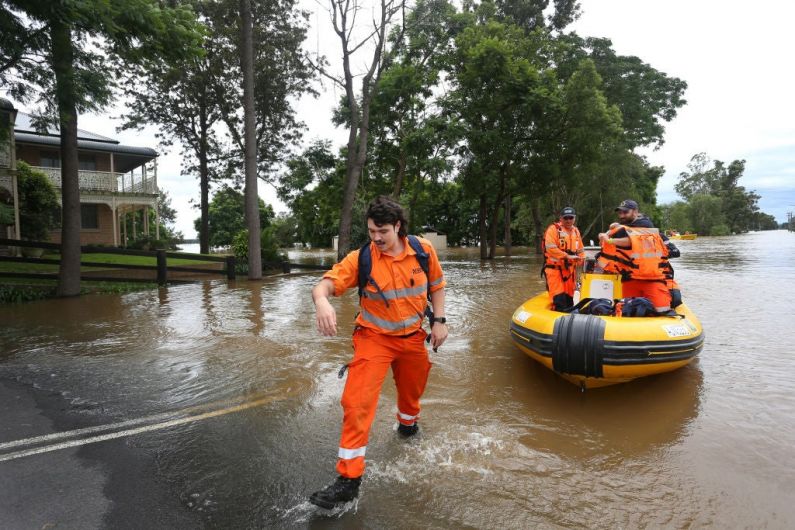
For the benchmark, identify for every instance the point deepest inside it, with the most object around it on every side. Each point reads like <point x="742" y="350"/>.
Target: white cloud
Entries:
<point x="734" y="57"/>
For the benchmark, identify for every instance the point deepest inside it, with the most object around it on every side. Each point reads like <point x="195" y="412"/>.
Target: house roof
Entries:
<point x="55" y="141"/>
<point x="24" y="123"/>
<point x="129" y="157"/>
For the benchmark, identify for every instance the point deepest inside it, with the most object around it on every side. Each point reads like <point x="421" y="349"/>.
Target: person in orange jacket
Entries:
<point x="563" y="250"/>
<point x="620" y="255"/>
<point x="388" y="333"/>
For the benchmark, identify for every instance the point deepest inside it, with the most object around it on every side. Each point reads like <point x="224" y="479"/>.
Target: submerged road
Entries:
<point x="215" y="405"/>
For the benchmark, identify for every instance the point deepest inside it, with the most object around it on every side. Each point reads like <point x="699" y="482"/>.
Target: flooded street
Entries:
<point x="227" y="400"/>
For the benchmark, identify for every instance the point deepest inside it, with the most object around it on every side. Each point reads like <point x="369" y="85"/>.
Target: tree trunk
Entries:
<point x="539" y="228"/>
<point x="493" y="223"/>
<point x="249" y="120"/>
<point x="352" y="173"/>
<point x="62" y="62"/>
<point x="204" y="183"/>
<point x="401" y="172"/>
<point x="508" y="240"/>
<point x="415" y="195"/>
<point x="482" y="226"/>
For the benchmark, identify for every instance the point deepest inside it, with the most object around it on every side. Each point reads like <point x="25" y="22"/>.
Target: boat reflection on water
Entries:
<point x="621" y="420"/>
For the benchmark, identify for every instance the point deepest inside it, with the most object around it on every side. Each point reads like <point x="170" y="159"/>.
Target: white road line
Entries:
<point x="139" y="430"/>
<point x="111" y="426"/>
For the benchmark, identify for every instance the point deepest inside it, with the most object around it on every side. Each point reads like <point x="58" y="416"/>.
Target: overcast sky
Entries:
<point x="735" y="57"/>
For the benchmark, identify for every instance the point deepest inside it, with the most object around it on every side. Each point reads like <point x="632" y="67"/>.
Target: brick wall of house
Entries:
<point x="30" y="154"/>
<point x="103" y="161"/>
<point x="101" y="236"/>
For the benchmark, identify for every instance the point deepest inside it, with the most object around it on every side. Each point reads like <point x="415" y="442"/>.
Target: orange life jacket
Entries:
<point x="649" y="254"/>
<point x="568" y="242"/>
<point x="646" y="259"/>
<point x="612" y="259"/>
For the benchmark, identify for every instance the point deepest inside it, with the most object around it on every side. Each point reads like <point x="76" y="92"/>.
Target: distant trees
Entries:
<point x="226" y="216"/>
<point x="714" y="202"/>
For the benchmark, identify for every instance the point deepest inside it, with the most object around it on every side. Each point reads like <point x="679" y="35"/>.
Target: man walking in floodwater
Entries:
<point x="395" y="273"/>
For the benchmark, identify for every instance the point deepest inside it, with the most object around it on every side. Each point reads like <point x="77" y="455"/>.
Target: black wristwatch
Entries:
<point x="441" y="320"/>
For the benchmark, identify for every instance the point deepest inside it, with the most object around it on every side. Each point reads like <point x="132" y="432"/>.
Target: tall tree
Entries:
<point x="198" y="103"/>
<point x="249" y="143"/>
<point x="343" y="16"/>
<point x="499" y="98"/>
<point x="77" y="37"/>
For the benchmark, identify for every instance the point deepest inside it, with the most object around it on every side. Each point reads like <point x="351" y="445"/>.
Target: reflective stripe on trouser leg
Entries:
<point x="410" y="370"/>
<point x="366" y="374"/>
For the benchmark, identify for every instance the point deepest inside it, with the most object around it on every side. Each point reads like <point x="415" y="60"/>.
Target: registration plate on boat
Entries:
<point x="676" y="331"/>
<point x="522" y="316"/>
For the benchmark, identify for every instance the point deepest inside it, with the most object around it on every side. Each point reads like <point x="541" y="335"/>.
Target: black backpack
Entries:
<point x="637" y="307"/>
<point x="593" y="306"/>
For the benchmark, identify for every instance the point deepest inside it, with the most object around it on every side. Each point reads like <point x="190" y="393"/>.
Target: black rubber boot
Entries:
<point x="408" y="430"/>
<point x="340" y="491"/>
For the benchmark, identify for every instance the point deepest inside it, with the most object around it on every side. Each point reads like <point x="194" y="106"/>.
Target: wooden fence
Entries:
<point x="162" y="268"/>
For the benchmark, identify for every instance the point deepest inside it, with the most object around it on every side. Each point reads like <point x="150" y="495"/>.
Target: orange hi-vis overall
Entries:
<point x="644" y="267"/>
<point x="385" y="336"/>
<point x="560" y="272"/>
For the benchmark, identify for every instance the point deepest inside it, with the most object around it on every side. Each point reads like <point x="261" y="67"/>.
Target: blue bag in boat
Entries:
<point x="637" y="307"/>
<point x="594" y="306"/>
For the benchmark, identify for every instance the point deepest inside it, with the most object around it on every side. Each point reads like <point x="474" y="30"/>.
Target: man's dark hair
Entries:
<point x="384" y="210"/>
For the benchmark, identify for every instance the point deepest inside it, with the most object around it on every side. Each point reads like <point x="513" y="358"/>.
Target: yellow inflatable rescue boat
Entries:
<point x="593" y="350"/>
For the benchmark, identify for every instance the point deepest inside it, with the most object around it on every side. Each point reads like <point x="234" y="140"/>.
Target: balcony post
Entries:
<point x="115" y="215"/>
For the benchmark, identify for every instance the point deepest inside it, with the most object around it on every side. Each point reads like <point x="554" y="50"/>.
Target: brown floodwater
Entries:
<point x="504" y="441"/>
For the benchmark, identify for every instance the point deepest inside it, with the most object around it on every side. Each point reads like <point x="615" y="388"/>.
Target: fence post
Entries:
<point x="161" y="267"/>
<point x="286" y="267"/>
<point x="231" y="263"/>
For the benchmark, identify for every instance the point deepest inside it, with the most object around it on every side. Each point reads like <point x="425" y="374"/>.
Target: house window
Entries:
<point x="87" y="162"/>
<point x="89" y="216"/>
<point x="50" y="159"/>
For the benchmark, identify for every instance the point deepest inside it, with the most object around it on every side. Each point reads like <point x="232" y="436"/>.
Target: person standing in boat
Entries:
<point x="396" y="274"/>
<point x="563" y="251"/>
<point x="636" y="249"/>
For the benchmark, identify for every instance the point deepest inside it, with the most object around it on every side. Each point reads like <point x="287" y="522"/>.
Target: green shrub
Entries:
<point x="151" y="243"/>
<point x="6" y="215"/>
<point x="12" y="294"/>
<point x="269" y="248"/>
<point x="39" y="211"/>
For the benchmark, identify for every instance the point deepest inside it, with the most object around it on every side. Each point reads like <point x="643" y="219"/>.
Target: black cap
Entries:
<point x="568" y="210"/>
<point x="627" y="204"/>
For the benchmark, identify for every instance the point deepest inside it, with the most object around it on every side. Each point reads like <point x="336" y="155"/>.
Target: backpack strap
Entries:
<point x="424" y="259"/>
<point x="365" y="270"/>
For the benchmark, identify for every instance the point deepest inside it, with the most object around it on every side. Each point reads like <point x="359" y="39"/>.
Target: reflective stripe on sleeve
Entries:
<point x="437" y="281"/>
<point x="347" y="454"/>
